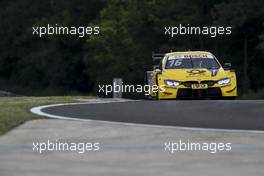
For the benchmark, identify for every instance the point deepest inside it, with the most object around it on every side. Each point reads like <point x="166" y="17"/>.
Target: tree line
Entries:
<point x="130" y="30"/>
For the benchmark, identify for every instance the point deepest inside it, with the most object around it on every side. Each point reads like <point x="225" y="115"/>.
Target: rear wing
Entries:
<point x="158" y="56"/>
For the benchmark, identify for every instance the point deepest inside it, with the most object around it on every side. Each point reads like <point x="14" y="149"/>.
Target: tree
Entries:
<point x="51" y="62"/>
<point x="246" y="19"/>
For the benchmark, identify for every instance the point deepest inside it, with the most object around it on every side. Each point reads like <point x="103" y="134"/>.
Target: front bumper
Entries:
<point x="187" y="92"/>
<point x="199" y="93"/>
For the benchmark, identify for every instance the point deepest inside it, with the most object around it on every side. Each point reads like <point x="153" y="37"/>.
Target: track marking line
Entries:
<point x="38" y="110"/>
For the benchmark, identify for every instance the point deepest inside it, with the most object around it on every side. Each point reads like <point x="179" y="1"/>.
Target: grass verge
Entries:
<point x="16" y="110"/>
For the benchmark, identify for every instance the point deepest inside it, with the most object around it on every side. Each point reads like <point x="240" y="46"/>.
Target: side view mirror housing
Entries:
<point x="157" y="69"/>
<point x="227" y="66"/>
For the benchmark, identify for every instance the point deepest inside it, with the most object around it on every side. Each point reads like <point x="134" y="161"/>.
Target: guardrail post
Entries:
<point x="117" y="87"/>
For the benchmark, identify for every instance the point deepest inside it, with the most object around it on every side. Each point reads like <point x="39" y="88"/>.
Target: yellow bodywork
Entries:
<point x="207" y="85"/>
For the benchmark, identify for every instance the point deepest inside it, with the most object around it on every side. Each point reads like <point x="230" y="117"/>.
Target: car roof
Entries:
<point x="189" y="53"/>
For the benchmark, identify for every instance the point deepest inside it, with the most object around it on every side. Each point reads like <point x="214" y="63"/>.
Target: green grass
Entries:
<point x="16" y="110"/>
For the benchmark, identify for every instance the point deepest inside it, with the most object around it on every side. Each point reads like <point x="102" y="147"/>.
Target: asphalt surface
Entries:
<point x="127" y="151"/>
<point x="220" y="114"/>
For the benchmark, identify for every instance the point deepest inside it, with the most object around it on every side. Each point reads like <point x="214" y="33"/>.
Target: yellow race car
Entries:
<point x="191" y="74"/>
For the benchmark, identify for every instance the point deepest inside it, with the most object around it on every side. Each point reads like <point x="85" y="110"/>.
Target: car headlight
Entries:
<point x="172" y="83"/>
<point x="224" y="81"/>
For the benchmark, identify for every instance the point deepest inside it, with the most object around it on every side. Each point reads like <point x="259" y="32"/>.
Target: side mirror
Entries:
<point x="158" y="70"/>
<point x="227" y="66"/>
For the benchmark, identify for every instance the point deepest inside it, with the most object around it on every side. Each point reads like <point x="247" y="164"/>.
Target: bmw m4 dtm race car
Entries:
<point x="192" y="74"/>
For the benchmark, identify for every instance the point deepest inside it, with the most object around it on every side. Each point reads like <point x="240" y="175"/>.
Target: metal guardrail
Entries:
<point x="7" y="94"/>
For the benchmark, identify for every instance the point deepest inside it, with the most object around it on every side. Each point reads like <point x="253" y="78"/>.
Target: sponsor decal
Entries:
<point x="188" y="56"/>
<point x="196" y="72"/>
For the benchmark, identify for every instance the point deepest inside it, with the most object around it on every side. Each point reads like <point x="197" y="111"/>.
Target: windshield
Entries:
<point x="208" y="63"/>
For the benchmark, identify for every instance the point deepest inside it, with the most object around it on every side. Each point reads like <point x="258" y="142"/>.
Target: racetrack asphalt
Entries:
<point x="219" y="114"/>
